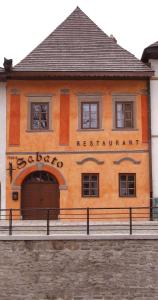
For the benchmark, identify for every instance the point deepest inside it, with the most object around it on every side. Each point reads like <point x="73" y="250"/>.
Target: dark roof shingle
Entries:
<point x="150" y="52"/>
<point x="79" y="45"/>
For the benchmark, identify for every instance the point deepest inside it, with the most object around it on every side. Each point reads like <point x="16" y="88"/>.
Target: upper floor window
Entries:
<point x="89" y="115"/>
<point x="124" y="114"/>
<point x="124" y="111"/>
<point x="89" y="112"/>
<point x="39" y="113"/>
<point x="39" y="116"/>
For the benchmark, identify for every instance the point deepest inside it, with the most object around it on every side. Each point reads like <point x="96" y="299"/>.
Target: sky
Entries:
<point x="26" y="23"/>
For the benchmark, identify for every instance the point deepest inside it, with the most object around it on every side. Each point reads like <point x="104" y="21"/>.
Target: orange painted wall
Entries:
<point x="14" y="126"/>
<point x="70" y="153"/>
<point x="64" y="119"/>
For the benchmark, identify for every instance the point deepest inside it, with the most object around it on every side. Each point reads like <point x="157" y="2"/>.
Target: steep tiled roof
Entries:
<point x="150" y="52"/>
<point x="79" y="45"/>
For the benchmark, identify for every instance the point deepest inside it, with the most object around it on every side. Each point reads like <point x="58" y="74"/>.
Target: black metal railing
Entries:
<point x="100" y="220"/>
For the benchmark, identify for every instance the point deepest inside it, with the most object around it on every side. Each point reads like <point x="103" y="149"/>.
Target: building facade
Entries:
<point x="150" y="56"/>
<point x="77" y="123"/>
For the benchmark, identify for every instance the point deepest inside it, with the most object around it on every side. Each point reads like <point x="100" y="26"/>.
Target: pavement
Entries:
<point x="72" y="228"/>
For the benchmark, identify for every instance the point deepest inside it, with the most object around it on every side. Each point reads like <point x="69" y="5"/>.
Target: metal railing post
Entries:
<point x="87" y="220"/>
<point x="130" y="220"/>
<point x="10" y="221"/>
<point x="151" y="212"/>
<point x="48" y="218"/>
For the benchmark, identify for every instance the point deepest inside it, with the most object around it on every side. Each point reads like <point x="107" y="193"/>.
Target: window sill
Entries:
<point x="34" y="131"/>
<point x="125" y="129"/>
<point x="92" y="197"/>
<point x="128" y="197"/>
<point x="95" y="129"/>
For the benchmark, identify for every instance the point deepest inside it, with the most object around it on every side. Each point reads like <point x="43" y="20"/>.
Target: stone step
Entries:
<point x="58" y="227"/>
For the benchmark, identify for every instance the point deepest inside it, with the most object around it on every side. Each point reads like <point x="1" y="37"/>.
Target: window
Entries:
<point x="89" y="115"/>
<point x="89" y="112"/>
<point x="39" y="116"/>
<point x="127" y="183"/>
<point x="90" y="185"/>
<point x="124" y="111"/>
<point x="124" y="114"/>
<point x="39" y="113"/>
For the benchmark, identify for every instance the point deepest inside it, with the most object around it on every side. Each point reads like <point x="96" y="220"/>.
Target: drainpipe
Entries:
<point x="150" y="150"/>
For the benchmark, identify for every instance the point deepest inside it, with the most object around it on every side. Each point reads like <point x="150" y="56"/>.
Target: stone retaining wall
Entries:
<point x="79" y="269"/>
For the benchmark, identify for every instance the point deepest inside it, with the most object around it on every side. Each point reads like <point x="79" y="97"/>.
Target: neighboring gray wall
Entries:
<point x="83" y="269"/>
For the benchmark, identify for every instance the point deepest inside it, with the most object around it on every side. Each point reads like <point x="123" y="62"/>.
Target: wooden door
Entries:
<point x="38" y="195"/>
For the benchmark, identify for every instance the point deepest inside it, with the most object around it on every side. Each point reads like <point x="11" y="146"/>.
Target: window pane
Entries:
<point x="44" y="177"/>
<point x="128" y="106"/>
<point x="130" y="178"/>
<point x="131" y="192"/>
<point x="85" y="116"/>
<point x="36" y="116"/>
<point x="119" y="115"/>
<point x="123" y="192"/>
<point x="94" y="192"/>
<point x="123" y="184"/>
<point x="86" y="178"/>
<point x="94" y="108"/>
<point x="44" y="124"/>
<point x="39" y="115"/>
<point x="85" y="107"/>
<point x="131" y="185"/>
<point x="89" y="115"/>
<point x="128" y="114"/>
<point x="94" y="115"/>
<point x="86" y="192"/>
<point x="86" y="185"/>
<point x="36" y="108"/>
<point x="94" y="121"/>
<point x="128" y="124"/>
<point x="123" y="177"/>
<point x="44" y="108"/>
<point x="35" y="124"/>
<point x="94" y="177"/>
<point x="93" y="184"/>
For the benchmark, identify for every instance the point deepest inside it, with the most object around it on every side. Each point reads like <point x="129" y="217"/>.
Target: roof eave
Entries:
<point x="77" y="74"/>
<point x="2" y="76"/>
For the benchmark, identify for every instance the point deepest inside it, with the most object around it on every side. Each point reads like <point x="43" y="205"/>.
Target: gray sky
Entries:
<point x="25" y="23"/>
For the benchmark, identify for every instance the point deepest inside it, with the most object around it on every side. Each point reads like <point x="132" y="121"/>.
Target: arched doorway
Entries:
<point x="40" y="190"/>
